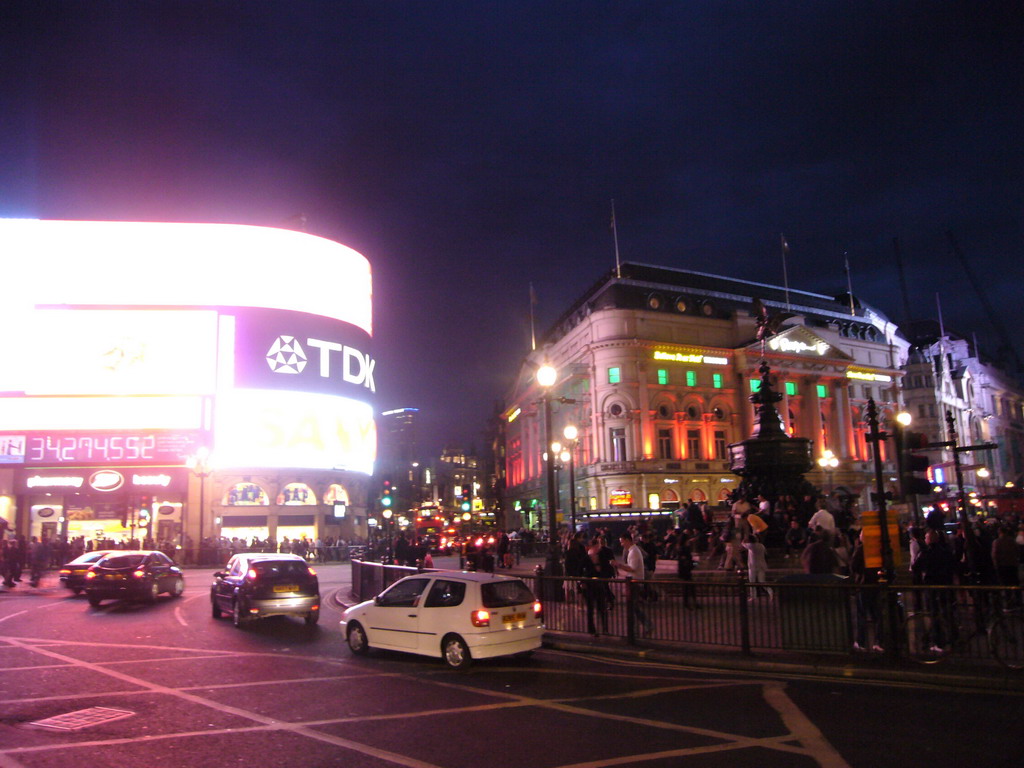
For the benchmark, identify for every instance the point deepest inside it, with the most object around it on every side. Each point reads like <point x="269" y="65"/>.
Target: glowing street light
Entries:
<point x="828" y="462"/>
<point x="201" y="465"/>
<point x="546" y="377"/>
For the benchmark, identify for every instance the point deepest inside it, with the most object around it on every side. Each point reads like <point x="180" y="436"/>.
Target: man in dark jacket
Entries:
<point x="936" y="566"/>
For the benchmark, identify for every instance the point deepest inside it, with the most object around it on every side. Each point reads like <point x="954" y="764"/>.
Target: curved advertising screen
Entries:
<point x="168" y="331"/>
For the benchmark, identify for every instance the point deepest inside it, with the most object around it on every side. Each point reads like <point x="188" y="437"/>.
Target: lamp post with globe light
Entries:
<point x="201" y="465"/>
<point x="546" y="377"/>
<point x="828" y="462"/>
<point x="570" y="433"/>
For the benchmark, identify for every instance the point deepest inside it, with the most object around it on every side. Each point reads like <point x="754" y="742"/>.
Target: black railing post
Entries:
<point x="892" y="620"/>
<point x="631" y="598"/>
<point x="741" y="588"/>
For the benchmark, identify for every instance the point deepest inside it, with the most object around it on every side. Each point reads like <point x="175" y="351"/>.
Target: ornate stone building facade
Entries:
<point x="655" y="368"/>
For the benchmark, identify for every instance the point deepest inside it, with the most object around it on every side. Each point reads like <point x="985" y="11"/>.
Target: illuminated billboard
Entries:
<point x="262" y="336"/>
<point x="262" y="428"/>
<point x="119" y="352"/>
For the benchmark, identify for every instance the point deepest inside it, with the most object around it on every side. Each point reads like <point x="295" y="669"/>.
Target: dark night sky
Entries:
<point x="470" y="148"/>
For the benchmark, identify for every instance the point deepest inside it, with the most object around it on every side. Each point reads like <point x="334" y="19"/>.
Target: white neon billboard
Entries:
<point x="273" y="428"/>
<point x="173" y="265"/>
<point x="127" y="325"/>
<point x="117" y="352"/>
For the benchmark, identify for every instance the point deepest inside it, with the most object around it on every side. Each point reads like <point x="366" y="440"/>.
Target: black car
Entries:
<point x="72" y="575"/>
<point x="253" y="586"/>
<point x="133" y="575"/>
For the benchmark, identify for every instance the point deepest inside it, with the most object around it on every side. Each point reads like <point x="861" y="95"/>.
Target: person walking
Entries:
<point x="684" y="567"/>
<point x="819" y="557"/>
<point x="869" y="609"/>
<point x="633" y="566"/>
<point x="757" y="565"/>
<point x="39" y="559"/>
<point x="936" y="566"/>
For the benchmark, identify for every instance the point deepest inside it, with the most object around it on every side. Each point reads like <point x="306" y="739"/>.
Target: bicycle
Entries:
<point x="947" y="628"/>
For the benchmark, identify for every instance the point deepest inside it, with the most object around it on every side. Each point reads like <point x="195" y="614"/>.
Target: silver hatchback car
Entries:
<point x="255" y="585"/>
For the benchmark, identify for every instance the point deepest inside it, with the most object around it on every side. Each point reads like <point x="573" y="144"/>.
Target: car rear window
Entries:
<point x="122" y="561"/>
<point x="499" y="594"/>
<point x="286" y="569"/>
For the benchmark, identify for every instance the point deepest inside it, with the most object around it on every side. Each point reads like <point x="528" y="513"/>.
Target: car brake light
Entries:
<point x="312" y="572"/>
<point x="90" y="575"/>
<point x="65" y="571"/>
<point x="536" y="607"/>
<point x="480" y="618"/>
<point x="251" y="574"/>
<point x="139" y="574"/>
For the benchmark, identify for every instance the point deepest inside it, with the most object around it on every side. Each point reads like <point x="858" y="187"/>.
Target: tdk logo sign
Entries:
<point x="287" y="356"/>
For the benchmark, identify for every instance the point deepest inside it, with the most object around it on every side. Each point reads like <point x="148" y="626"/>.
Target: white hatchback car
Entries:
<point x="459" y="616"/>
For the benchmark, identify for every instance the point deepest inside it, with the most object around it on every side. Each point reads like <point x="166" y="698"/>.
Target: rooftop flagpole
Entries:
<point x="615" y="236"/>
<point x="849" y="282"/>
<point x="533" y="332"/>
<point x="785" y="274"/>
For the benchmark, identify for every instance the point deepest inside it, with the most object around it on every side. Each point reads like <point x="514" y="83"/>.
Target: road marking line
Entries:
<point x="802" y="727"/>
<point x="11" y="616"/>
<point x="270" y="722"/>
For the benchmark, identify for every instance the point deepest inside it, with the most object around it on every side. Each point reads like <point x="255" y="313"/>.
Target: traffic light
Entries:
<point x="915" y="467"/>
<point x="145" y="511"/>
<point x="467" y="498"/>
<point x="386" y="499"/>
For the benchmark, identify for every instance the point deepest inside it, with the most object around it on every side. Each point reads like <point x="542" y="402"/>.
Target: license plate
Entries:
<point x="513" y="617"/>
<point x="112" y="576"/>
<point x="286" y="588"/>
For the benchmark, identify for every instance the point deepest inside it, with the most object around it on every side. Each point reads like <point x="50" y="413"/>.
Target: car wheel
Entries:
<point x="178" y="587"/>
<point x="312" y="618"/>
<point x="456" y="652"/>
<point x="154" y="591"/>
<point x="357" y="642"/>
<point x="95" y="600"/>
<point x="215" y="609"/>
<point x="76" y="590"/>
<point x="237" y="617"/>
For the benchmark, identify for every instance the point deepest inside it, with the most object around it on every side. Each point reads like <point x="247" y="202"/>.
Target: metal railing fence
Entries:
<point x="965" y="624"/>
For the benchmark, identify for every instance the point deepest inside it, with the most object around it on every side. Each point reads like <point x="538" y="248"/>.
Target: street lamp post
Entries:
<point x="387" y="513"/>
<point x="828" y="462"/>
<point x="546" y="376"/>
<point x="201" y="467"/>
<point x="571" y="433"/>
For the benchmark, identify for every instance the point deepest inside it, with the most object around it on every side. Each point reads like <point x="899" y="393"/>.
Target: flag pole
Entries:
<point x="785" y="275"/>
<point x="615" y="236"/>
<point x="533" y="332"/>
<point x="849" y="282"/>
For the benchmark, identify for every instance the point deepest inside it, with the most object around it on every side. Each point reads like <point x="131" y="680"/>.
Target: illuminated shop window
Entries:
<point x="246" y="495"/>
<point x="614" y="375"/>
<point x="336" y="494"/>
<point x="716" y="380"/>
<point x="296" y="495"/>
<point x="822" y="390"/>
<point x="791" y="388"/>
<point x="691" y="378"/>
<point x="662" y="376"/>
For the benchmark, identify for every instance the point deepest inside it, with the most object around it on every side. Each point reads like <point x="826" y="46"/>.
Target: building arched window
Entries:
<point x="246" y="494"/>
<point x="296" y="495"/>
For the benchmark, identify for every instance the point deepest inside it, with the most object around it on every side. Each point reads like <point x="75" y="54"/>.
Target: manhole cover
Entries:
<point x="83" y="718"/>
